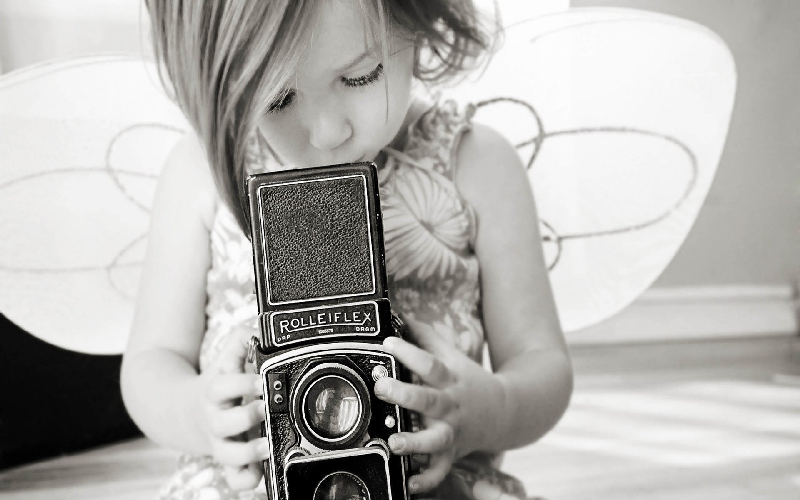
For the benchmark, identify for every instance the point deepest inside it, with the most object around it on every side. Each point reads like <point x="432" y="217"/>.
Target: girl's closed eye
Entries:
<point x="364" y="80"/>
<point x="282" y="101"/>
<point x="287" y="96"/>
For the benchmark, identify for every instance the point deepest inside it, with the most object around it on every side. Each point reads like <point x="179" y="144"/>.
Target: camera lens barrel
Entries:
<point x="332" y="404"/>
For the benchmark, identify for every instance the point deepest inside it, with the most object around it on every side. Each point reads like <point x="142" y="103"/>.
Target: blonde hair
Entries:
<point x="225" y="61"/>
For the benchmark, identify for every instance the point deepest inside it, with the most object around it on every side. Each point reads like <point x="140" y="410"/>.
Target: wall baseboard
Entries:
<point x="698" y="313"/>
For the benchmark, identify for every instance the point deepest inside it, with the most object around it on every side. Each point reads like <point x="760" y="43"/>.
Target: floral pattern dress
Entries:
<point x="433" y="272"/>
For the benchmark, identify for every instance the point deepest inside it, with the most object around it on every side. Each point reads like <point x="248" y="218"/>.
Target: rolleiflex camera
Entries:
<point x="324" y="312"/>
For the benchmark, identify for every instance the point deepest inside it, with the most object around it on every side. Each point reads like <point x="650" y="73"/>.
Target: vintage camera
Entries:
<point x="324" y="312"/>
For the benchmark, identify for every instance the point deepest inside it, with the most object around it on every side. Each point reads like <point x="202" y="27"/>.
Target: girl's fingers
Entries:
<point x="426" y="337"/>
<point x="431" y="477"/>
<point x="238" y="419"/>
<point x="223" y="389"/>
<point x="435" y="438"/>
<point x="430" y="369"/>
<point x="239" y="454"/>
<point x="433" y="403"/>
<point x="233" y="355"/>
<point x="243" y="478"/>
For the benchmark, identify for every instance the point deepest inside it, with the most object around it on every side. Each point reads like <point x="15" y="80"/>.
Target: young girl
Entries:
<point x="278" y="84"/>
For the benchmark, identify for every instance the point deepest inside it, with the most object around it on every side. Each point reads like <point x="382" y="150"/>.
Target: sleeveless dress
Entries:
<point x="433" y="273"/>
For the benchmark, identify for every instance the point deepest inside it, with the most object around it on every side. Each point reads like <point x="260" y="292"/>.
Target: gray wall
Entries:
<point x="749" y="230"/>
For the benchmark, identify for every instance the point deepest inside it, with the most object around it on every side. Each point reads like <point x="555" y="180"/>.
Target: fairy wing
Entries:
<point x="82" y="143"/>
<point x="620" y="117"/>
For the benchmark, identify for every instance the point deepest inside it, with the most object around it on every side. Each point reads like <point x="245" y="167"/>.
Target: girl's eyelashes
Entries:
<point x="364" y="80"/>
<point x="282" y="102"/>
<point x="287" y="96"/>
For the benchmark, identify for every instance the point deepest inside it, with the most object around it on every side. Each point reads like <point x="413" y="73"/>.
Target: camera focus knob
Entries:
<point x="378" y="372"/>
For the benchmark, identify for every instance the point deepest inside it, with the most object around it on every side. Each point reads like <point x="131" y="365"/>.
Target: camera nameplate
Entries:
<point x="337" y="320"/>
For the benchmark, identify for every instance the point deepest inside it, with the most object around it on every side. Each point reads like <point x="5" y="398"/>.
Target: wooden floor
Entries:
<point x="705" y="420"/>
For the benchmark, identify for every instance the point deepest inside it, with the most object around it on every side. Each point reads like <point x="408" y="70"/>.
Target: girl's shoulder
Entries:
<point x="186" y="178"/>
<point x="483" y="154"/>
<point x="488" y="168"/>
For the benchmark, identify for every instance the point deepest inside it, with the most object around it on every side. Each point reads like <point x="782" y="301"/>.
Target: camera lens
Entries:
<point x="341" y="486"/>
<point x="332" y="407"/>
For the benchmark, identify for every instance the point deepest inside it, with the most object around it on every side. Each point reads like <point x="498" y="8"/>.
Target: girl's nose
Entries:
<point x="329" y="129"/>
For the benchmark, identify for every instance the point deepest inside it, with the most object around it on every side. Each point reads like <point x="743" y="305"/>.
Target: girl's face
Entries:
<point x="336" y="108"/>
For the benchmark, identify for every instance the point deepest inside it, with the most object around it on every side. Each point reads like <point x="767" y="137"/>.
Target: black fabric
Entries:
<point x="55" y="401"/>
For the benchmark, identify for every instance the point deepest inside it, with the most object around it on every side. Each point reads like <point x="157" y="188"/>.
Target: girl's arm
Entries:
<point x="467" y="408"/>
<point x="159" y="370"/>
<point x="526" y="344"/>
<point x="165" y="395"/>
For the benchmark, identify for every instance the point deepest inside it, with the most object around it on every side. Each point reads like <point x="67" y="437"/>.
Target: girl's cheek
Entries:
<point x="282" y="137"/>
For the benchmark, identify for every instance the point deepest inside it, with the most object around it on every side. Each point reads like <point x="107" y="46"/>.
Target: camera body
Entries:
<point x="324" y="312"/>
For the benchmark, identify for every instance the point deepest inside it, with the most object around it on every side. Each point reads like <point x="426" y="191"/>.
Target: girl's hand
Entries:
<point x="229" y="411"/>
<point x="459" y="402"/>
